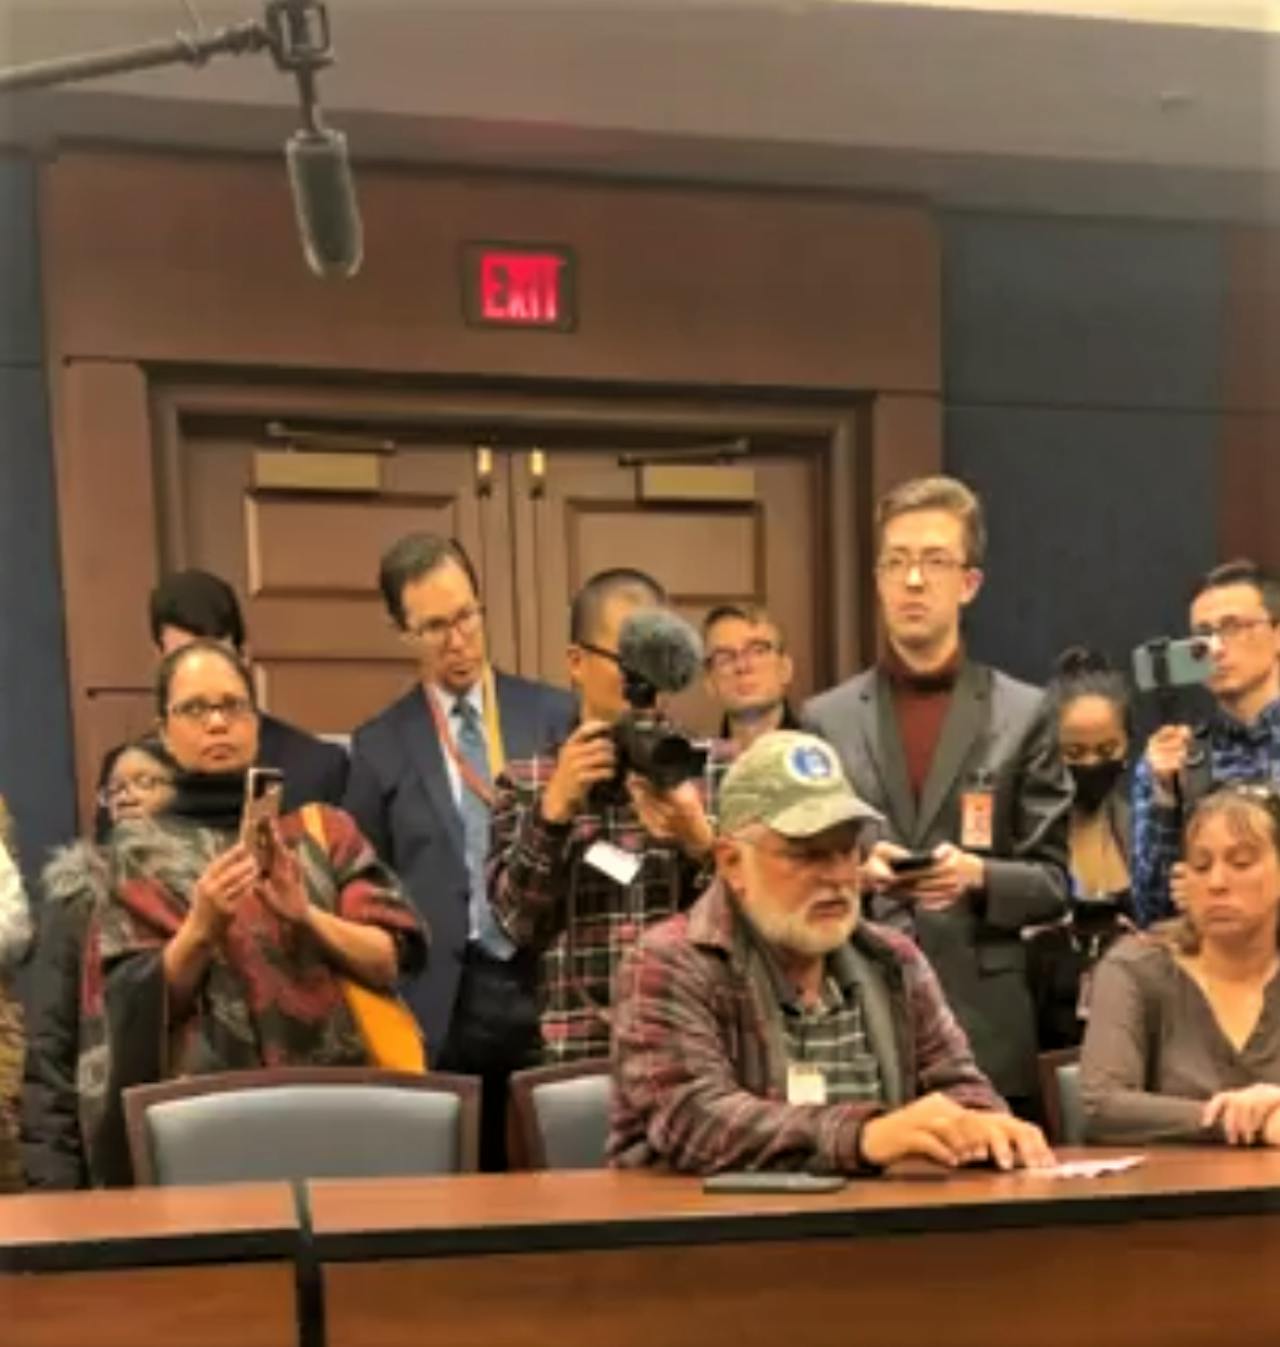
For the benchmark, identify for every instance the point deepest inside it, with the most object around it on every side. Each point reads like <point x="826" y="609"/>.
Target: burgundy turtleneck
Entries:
<point x="920" y="705"/>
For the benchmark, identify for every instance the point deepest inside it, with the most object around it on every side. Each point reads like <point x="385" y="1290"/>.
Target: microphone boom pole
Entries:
<point x="182" y="49"/>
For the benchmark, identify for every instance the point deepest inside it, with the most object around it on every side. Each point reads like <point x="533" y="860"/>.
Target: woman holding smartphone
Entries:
<point x="215" y="955"/>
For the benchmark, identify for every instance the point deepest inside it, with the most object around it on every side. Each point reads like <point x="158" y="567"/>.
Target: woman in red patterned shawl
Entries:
<point x="210" y="959"/>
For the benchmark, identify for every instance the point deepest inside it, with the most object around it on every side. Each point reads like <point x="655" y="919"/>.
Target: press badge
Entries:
<point x="977" y="818"/>
<point x="620" y="866"/>
<point x="805" y="1084"/>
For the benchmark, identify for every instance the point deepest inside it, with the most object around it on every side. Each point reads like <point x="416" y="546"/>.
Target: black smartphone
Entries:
<point x="911" y="862"/>
<point x="766" y="1181"/>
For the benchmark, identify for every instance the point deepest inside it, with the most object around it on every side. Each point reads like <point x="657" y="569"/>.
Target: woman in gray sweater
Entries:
<point x="1183" y="1042"/>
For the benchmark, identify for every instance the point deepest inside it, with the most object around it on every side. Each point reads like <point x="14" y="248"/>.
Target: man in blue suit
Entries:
<point x="420" y="787"/>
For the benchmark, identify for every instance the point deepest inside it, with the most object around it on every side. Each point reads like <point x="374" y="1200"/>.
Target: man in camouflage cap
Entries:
<point x="769" y="1027"/>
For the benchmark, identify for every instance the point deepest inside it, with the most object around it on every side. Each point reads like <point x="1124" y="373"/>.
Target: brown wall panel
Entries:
<point x="674" y="284"/>
<point x="1249" y="457"/>
<point x="107" y="510"/>
<point x="1251" y="321"/>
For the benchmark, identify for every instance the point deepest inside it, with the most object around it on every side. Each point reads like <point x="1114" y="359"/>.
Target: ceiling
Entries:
<point x="1156" y="107"/>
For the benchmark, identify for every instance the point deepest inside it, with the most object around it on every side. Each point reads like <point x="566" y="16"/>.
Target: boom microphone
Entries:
<point x="324" y="197"/>
<point x="324" y="201"/>
<point x="660" y="648"/>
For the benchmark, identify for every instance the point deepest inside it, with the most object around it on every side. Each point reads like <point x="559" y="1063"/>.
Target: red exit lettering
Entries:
<point x="522" y="288"/>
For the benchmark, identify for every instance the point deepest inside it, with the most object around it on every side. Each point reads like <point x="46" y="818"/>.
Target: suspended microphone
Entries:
<point x="324" y="196"/>
<point x="324" y="201"/>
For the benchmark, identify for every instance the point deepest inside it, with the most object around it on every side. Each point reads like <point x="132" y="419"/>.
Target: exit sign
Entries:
<point x="519" y="285"/>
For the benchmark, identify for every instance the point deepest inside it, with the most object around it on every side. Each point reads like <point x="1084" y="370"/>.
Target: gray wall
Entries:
<point x="36" y="775"/>
<point x="1082" y="379"/>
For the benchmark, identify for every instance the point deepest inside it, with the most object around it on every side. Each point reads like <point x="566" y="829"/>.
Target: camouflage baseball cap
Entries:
<point x="792" y="783"/>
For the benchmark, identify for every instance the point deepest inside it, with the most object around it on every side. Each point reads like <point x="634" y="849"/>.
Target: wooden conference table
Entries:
<point x="1183" y="1250"/>
<point x="182" y="1267"/>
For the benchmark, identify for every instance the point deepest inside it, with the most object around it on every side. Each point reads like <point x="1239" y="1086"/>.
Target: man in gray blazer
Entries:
<point x="962" y="761"/>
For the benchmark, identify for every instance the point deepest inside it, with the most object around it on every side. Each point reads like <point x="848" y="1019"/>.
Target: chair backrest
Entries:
<point x="1060" y="1096"/>
<point x="559" y="1115"/>
<point x="302" y="1123"/>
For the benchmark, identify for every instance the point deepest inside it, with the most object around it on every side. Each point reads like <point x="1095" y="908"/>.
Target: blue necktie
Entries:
<point x="485" y="930"/>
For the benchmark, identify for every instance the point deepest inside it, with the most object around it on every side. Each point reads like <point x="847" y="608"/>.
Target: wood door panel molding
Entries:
<point x="328" y="696"/>
<point x="291" y="539"/>
<point x="719" y="547"/>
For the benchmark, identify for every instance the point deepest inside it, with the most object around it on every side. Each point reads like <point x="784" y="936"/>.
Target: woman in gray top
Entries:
<point x="1183" y="1042"/>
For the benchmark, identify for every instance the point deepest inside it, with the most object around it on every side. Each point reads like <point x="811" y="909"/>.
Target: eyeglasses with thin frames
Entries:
<point x="436" y="631"/>
<point x="722" y="659"/>
<point x="1229" y="629"/>
<point x="200" y="710"/>
<point x="931" y="566"/>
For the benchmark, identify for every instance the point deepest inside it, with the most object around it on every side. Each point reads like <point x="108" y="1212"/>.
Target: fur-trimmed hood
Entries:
<point x="75" y="873"/>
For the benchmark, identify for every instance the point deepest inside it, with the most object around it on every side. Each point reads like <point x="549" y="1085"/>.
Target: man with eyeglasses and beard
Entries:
<point x="421" y="789"/>
<point x="1236" y="608"/>
<point x="963" y="761"/>
<point x="748" y="672"/>
<point x="770" y="1027"/>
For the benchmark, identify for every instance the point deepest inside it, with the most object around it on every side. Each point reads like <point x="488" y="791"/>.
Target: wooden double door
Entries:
<point x="293" y="494"/>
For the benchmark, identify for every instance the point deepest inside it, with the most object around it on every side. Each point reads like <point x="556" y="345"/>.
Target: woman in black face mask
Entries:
<point x="1091" y="702"/>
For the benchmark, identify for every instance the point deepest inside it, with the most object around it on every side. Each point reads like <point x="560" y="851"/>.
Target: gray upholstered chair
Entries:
<point x="558" y="1117"/>
<point x="301" y="1123"/>
<point x="1060" y="1096"/>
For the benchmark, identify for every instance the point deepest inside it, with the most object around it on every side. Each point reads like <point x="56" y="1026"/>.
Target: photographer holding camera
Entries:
<point x="1236" y="609"/>
<point x="612" y="833"/>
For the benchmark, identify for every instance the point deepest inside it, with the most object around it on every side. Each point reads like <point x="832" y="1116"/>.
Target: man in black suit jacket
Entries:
<point x="421" y="790"/>
<point x="962" y="760"/>
<point x="189" y="604"/>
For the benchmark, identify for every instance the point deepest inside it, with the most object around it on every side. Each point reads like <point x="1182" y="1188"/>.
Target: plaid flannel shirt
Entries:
<point x="546" y="897"/>
<point x="1236" y="753"/>
<point x="699" y="1057"/>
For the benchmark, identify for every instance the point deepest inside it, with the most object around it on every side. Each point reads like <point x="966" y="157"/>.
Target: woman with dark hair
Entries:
<point x="1184" y="1040"/>
<point x="139" y="782"/>
<point x="1091" y="708"/>
<point x="214" y="956"/>
<point x="1091" y="704"/>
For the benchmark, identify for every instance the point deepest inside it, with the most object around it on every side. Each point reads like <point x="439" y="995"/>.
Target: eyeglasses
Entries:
<point x="611" y="655"/>
<point x="722" y="659"/>
<point x="198" y="710"/>
<point x="1229" y="629"/>
<point x="436" y="631"/>
<point x="932" y="566"/>
<point x="144" y="783"/>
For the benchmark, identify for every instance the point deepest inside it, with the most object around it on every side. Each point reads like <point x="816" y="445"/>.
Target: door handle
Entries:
<point x="484" y="470"/>
<point x="537" y="474"/>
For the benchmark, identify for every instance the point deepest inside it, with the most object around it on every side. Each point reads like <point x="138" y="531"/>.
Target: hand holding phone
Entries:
<point x="911" y="862"/>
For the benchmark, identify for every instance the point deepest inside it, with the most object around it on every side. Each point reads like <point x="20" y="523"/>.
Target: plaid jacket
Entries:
<point x="548" y="898"/>
<point x="1236" y="753"/>
<point x="699" y="1058"/>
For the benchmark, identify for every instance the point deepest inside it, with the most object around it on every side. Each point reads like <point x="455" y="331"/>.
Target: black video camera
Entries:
<point x="648" y="745"/>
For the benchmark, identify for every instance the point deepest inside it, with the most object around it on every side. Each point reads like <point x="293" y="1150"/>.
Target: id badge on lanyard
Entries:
<point x="978" y="814"/>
